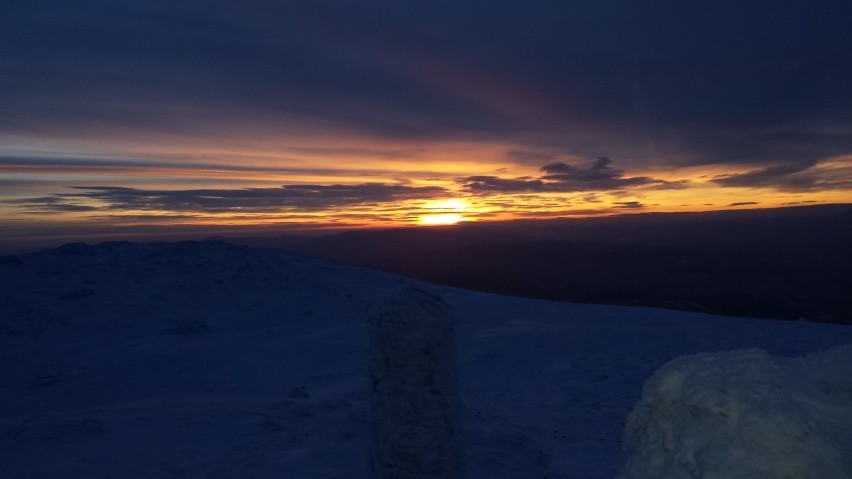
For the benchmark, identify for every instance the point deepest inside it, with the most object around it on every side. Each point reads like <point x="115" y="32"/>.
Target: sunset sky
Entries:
<point x="146" y="116"/>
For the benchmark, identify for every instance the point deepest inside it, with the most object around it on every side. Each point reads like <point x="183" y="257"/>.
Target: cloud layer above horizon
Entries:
<point x="322" y="108"/>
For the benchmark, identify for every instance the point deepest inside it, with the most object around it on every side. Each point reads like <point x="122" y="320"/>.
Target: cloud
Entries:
<point x="329" y="88"/>
<point x="11" y="162"/>
<point x="630" y="205"/>
<point x="744" y="203"/>
<point x="562" y="177"/>
<point x="833" y="174"/>
<point x="70" y="164"/>
<point x="52" y="204"/>
<point x="532" y="156"/>
<point x="255" y="200"/>
<point x="768" y="176"/>
<point x="382" y="67"/>
<point x="476" y="184"/>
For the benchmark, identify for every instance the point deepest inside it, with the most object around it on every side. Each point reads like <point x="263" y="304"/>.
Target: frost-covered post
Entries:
<point x="415" y="409"/>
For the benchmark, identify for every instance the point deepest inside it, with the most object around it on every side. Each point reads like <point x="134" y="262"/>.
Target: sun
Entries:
<point x="442" y="219"/>
<point x="445" y="212"/>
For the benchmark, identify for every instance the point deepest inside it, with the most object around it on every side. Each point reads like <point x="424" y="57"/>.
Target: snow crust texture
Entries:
<point x="206" y="360"/>
<point x="744" y="414"/>
<point x="415" y="408"/>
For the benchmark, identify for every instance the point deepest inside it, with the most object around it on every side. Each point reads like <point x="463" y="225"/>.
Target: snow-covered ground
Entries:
<point x="207" y="360"/>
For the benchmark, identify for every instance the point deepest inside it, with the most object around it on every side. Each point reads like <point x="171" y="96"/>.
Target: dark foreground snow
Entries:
<point x="207" y="360"/>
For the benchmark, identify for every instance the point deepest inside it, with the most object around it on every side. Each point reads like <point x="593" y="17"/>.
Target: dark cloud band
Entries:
<point x="751" y="82"/>
<point x="259" y="200"/>
<point x="564" y="178"/>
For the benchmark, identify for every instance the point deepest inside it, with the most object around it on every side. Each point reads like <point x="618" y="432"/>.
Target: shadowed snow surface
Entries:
<point x="208" y="360"/>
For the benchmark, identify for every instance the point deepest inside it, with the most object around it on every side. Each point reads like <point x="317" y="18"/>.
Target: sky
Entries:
<point x="122" y="116"/>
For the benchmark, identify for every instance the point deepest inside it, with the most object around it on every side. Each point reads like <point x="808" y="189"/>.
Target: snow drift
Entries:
<point x="744" y="414"/>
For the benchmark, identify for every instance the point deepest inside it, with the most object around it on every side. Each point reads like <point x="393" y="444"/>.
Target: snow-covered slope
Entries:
<point x="208" y="360"/>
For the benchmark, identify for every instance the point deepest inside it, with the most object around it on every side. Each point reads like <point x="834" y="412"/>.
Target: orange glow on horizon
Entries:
<point x="442" y="219"/>
<point x="427" y="183"/>
<point x="446" y="212"/>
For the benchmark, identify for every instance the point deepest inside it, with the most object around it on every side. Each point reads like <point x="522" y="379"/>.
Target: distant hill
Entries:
<point x="785" y="263"/>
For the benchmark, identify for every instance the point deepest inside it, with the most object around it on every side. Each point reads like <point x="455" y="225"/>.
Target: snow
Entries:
<point x="745" y="414"/>
<point x="209" y="360"/>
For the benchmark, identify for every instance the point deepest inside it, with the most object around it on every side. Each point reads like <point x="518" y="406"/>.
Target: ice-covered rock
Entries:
<point x="744" y="414"/>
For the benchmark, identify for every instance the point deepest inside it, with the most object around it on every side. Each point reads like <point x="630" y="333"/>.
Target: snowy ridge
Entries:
<point x="205" y="359"/>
